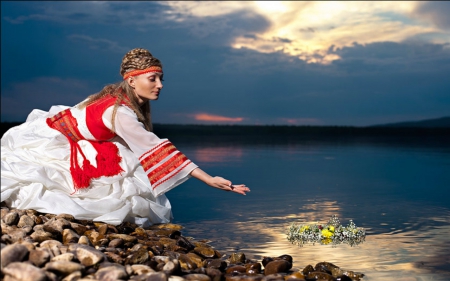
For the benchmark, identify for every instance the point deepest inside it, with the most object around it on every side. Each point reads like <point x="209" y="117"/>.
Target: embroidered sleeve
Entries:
<point x="165" y="166"/>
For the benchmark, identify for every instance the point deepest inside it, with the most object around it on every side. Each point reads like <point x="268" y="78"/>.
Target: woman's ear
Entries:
<point x="131" y="82"/>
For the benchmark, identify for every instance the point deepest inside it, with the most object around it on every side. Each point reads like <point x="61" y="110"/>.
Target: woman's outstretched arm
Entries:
<point x="219" y="182"/>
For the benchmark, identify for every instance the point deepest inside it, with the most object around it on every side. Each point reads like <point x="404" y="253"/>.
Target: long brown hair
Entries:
<point x="133" y="60"/>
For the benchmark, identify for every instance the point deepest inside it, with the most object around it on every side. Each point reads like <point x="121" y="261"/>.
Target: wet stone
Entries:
<point x="276" y="266"/>
<point x="236" y="269"/>
<point x="320" y="276"/>
<point x="138" y="257"/>
<point x="308" y="269"/>
<point x="237" y="258"/>
<point x="215" y="263"/>
<point x="116" y="243"/>
<point x="205" y="252"/>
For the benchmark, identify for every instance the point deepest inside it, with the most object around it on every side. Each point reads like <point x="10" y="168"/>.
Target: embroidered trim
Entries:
<point x="167" y="167"/>
<point x="171" y="176"/>
<point x="154" y="148"/>
<point x="157" y="156"/>
<point x="65" y="123"/>
<point x="142" y="71"/>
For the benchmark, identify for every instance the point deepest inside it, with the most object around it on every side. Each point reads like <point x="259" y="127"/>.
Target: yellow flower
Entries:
<point x="331" y="228"/>
<point x="304" y="228"/>
<point x="326" y="233"/>
<point x="326" y="241"/>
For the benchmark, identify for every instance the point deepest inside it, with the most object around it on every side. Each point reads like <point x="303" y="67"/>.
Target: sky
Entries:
<point x="343" y="63"/>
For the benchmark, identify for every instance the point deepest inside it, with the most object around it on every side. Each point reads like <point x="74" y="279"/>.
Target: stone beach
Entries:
<point x="38" y="247"/>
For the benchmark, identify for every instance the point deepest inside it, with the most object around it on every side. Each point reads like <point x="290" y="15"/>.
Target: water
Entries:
<point x="398" y="192"/>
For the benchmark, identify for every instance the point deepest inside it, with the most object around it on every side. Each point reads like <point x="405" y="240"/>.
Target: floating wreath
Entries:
<point x="330" y="233"/>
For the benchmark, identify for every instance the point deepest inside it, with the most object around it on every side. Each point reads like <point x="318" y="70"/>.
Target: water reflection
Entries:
<point x="398" y="194"/>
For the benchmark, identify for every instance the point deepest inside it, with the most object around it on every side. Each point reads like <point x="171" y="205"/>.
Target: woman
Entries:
<point x="99" y="160"/>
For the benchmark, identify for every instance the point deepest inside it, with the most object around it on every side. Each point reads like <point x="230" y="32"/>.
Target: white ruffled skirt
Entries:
<point x="35" y="174"/>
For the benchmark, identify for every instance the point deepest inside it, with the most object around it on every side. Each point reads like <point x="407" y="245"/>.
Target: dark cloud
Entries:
<point x="435" y="11"/>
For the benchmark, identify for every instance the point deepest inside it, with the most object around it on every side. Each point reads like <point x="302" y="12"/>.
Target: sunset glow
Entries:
<point x="216" y="118"/>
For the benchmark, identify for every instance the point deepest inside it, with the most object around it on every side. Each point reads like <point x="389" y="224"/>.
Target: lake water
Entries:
<point x="399" y="192"/>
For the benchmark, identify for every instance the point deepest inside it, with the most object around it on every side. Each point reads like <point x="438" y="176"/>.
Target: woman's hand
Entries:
<point x="219" y="182"/>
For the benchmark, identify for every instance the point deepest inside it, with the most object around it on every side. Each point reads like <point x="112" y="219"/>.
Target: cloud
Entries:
<point x="21" y="98"/>
<point x="216" y="118"/>
<point x="301" y="121"/>
<point x="436" y="12"/>
<point x="99" y="43"/>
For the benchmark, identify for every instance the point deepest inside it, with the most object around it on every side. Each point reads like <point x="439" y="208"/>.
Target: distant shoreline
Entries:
<point x="279" y="133"/>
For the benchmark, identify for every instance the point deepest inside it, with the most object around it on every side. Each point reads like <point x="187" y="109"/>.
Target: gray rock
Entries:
<point x="197" y="277"/>
<point x="13" y="253"/>
<point x="56" y="225"/>
<point x="152" y="276"/>
<point x="53" y="246"/>
<point x="24" y="272"/>
<point x="17" y="234"/>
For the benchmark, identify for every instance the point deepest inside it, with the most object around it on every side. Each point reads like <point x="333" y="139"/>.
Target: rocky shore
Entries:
<point x="39" y="247"/>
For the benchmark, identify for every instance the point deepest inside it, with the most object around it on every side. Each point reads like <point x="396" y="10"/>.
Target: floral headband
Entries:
<point x="142" y="71"/>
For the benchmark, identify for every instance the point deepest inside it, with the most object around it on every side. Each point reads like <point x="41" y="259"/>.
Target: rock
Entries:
<point x="138" y="257"/>
<point x="83" y="240"/>
<point x="295" y="276"/>
<point x="53" y="246"/>
<point x="66" y="217"/>
<point x="78" y="228"/>
<point x="11" y="218"/>
<point x="39" y="257"/>
<point x="13" y="253"/>
<point x="237" y="258"/>
<point x="205" y="252"/>
<point x="236" y="269"/>
<point x="25" y="221"/>
<point x="184" y="243"/>
<point x="64" y="267"/>
<point x="124" y="237"/>
<point x="64" y="257"/>
<point x="266" y="260"/>
<point x="41" y="236"/>
<point x="116" y="243"/>
<point x="253" y="268"/>
<point x="139" y="269"/>
<point x="111" y="273"/>
<point x="88" y="256"/>
<point x="215" y="263"/>
<point x="197" y="277"/>
<point x="74" y="276"/>
<point x="56" y="226"/>
<point x="276" y="266"/>
<point x="17" y="234"/>
<point x="151" y="276"/>
<point x="94" y="237"/>
<point x="112" y="257"/>
<point x="322" y="276"/>
<point x="166" y="225"/>
<point x="195" y="258"/>
<point x="308" y="269"/>
<point x="186" y="263"/>
<point x="24" y="272"/>
<point x="326" y="267"/>
<point x="70" y="236"/>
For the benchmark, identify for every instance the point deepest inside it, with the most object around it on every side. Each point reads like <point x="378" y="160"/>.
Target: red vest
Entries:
<point x="108" y="158"/>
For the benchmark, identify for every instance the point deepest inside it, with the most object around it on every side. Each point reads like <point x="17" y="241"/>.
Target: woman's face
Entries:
<point x="146" y="86"/>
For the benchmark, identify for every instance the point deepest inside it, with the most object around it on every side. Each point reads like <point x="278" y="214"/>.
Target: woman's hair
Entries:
<point x="135" y="59"/>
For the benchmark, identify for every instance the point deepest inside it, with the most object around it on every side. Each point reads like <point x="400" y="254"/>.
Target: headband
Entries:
<point x="142" y="71"/>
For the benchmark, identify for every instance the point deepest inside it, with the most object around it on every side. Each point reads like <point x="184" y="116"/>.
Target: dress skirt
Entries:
<point x="35" y="174"/>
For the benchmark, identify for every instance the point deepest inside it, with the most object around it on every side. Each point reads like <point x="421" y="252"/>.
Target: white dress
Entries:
<point x="35" y="171"/>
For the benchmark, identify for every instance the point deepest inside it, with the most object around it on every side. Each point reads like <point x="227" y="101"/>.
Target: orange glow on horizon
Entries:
<point x="216" y="118"/>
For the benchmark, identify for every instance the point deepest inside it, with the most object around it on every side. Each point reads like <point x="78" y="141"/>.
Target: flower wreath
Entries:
<point x="331" y="232"/>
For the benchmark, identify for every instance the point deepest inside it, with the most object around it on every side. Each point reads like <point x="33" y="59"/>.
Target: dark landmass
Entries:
<point x="249" y="134"/>
<point x="443" y="122"/>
